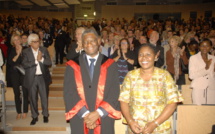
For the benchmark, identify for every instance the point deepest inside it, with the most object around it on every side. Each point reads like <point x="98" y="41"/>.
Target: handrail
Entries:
<point x="3" y="105"/>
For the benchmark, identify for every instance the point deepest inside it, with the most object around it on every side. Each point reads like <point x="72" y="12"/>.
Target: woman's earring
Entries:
<point x="156" y="59"/>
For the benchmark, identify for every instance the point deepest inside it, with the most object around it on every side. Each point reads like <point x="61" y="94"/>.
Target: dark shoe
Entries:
<point x="34" y="120"/>
<point x="45" y="119"/>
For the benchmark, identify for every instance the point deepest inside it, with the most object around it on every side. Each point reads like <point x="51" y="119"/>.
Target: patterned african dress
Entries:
<point x="147" y="99"/>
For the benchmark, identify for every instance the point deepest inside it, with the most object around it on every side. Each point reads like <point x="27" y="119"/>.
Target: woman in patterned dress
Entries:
<point x="148" y="96"/>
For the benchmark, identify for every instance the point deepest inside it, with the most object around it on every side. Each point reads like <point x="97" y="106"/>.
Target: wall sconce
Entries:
<point x="94" y="13"/>
<point x="85" y="15"/>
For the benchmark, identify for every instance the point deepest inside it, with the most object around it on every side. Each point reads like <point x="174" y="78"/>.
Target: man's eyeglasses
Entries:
<point x="35" y="41"/>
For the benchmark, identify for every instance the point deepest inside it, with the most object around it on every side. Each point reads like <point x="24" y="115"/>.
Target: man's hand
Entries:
<point x="79" y="47"/>
<point x="91" y="118"/>
<point x="39" y="56"/>
<point x="93" y="126"/>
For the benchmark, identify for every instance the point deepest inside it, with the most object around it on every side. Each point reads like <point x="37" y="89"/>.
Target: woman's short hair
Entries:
<point x="32" y="37"/>
<point x="206" y="40"/>
<point x="126" y="41"/>
<point x="176" y="38"/>
<point x="12" y="38"/>
<point x="149" y="45"/>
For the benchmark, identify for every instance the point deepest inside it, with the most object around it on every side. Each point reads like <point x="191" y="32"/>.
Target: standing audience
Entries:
<point x="124" y="58"/>
<point x="174" y="58"/>
<point x="14" y="60"/>
<point x="202" y="72"/>
<point x="36" y="61"/>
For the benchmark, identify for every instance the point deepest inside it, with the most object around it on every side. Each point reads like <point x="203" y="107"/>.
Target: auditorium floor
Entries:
<point x="56" y="125"/>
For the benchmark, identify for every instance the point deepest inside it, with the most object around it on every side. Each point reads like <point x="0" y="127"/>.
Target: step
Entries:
<point x="55" y="94"/>
<point x="56" y="123"/>
<point x="59" y="68"/>
<point x="58" y="77"/>
<point x="61" y="65"/>
<point x="58" y="71"/>
<point x="54" y="103"/>
<point x="57" y="81"/>
<point x="56" y="87"/>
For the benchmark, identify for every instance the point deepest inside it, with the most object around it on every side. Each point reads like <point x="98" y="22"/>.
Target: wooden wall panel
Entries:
<point x="194" y="119"/>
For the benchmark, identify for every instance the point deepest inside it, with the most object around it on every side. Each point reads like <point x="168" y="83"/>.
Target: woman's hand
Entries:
<point x="182" y="50"/>
<point x="124" y="56"/>
<point x="118" y="52"/>
<point x="18" y="49"/>
<point x="135" y="127"/>
<point x="149" y="128"/>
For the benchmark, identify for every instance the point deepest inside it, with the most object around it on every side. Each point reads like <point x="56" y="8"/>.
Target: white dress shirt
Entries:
<point x="38" y="69"/>
<point x="88" y="60"/>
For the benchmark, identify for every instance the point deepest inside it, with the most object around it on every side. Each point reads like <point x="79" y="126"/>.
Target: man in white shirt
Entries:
<point x="36" y="61"/>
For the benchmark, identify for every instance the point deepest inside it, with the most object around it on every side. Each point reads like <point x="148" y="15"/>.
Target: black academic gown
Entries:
<point x="111" y="93"/>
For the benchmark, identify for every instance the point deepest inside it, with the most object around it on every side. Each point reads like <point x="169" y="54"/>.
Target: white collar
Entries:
<point x="34" y="51"/>
<point x="89" y="57"/>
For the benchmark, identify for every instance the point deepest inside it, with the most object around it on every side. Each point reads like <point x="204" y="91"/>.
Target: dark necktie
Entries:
<point x="92" y="68"/>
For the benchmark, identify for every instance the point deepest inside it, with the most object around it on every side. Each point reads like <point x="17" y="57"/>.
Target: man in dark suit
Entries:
<point x="91" y="89"/>
<point x="154" y="39"/>
<point x="76" y="48"/>
<point x="60" y="43"/>
<point x="36" y="62"/>
<point x="30" y="29"/>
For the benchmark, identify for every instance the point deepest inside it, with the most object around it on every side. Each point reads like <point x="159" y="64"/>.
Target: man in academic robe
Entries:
<point x="91" y="90"/>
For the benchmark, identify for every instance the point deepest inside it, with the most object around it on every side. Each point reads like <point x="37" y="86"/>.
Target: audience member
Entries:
<point x="202" y="71"/>
<point x="174" y="58"/>
<point x="36" y="61"/>
<point x="76" y="47"/>
<point x="154" y="39"/>
<point x="14" y="60"/>
<point x="124" y="58"/>
<point x="60" y="42"/>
